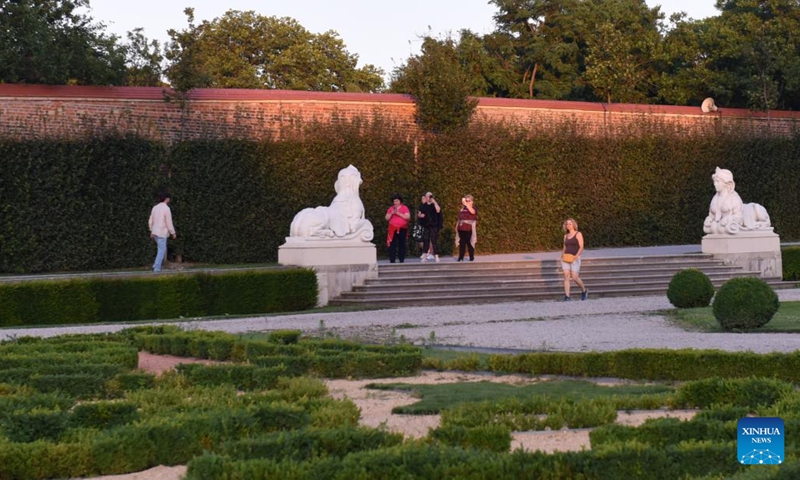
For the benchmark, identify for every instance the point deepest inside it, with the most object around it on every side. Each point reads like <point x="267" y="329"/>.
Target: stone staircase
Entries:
<point x="448" y="283"/>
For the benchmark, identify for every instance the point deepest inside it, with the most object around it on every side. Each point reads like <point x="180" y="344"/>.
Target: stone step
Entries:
<point x="445" y="283"/>
<point x="553" y="271"/>
<point x="553" y="286"/>
<point x="405" y="300"/>
<point x="414" y="264"/>
<point x="378" y="285"/>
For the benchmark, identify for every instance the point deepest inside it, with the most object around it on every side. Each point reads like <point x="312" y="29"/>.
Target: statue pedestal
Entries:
<point x="339" y="264"/>
<point x="757" y="250"/>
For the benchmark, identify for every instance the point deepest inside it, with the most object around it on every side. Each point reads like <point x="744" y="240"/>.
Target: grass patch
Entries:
<point x="435" y="398"/>
<point x="786" y="320"/>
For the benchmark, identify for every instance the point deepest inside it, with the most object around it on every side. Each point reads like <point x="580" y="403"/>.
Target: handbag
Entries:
<point x="417" y="233"/>
<point x="567" y="257"/>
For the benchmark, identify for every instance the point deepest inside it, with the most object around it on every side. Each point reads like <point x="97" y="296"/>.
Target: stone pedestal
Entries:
<point x="339" y="264"/>
<point x="758" y="250"/>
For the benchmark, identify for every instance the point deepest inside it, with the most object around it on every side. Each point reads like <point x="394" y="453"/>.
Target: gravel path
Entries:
<point x="595" y="325"/>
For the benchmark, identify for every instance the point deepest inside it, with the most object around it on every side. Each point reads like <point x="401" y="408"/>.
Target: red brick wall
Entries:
<point x="37" y="111"/>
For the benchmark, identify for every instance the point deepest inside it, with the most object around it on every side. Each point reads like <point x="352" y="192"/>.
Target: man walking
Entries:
<point x="161" y="227"/>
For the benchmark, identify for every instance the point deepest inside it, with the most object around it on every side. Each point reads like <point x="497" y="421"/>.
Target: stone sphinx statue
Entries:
<point x="342" y="220"/>
<point x="728" y="214"/>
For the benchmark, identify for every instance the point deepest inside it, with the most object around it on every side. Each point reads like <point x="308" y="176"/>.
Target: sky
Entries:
<point x="381" y="33"/>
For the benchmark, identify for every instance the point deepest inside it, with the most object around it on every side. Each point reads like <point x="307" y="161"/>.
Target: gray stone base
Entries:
<point x="339" y="264"/>
<point x="755" y="251"/>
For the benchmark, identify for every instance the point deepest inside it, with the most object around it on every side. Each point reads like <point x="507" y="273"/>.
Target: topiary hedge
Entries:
<point x="651" y="364"/>
<point x="690" y="288"/>
<point x="83" y="204"/>
<point x="745" y="303"/>
<point x="166" y="296"/>
<point x="790" y="259"/>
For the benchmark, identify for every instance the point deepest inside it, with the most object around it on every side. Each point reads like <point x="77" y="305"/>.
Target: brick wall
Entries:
<point x="37" y="111"/>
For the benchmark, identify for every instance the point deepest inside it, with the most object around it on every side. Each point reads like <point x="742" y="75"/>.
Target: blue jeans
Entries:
<point x="161" y="242"/>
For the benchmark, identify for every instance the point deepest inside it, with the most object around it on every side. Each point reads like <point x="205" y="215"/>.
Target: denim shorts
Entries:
<point x="574" y="266"/>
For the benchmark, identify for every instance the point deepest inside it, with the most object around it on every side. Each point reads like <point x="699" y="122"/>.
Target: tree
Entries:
<point x="748" y="56"/>
<point x="47" y="41"/>
<point x="143" y="59"/>
<point x="557" y="41"/>
<point x="622" y="45"/>
<point x="248" y="50"/>
<point x="440" y="85"/>
<point x="547" y="50"/>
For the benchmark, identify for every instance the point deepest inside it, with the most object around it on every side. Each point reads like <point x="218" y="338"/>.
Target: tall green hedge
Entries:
<point x="76" y="205"/>
<point x="83" y="204"/>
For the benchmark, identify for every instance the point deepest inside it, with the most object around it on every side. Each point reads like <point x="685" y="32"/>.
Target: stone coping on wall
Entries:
<point x="252" y="95"/>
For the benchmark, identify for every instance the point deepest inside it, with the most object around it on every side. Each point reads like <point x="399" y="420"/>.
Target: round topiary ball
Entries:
<point x="690" y="288"/>
<point x="745" y="303"/>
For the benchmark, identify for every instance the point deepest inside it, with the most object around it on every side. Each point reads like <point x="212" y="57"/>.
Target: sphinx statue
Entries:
<point x="342" y="220"/>
<point x="727" y="214"/>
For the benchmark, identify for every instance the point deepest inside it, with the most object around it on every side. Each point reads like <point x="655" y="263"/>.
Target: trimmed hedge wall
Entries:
<point x="652" y="364"/>
<point x="167" y="296"/>
<point x="79" y="205"/>
<point x="790" y="257"/>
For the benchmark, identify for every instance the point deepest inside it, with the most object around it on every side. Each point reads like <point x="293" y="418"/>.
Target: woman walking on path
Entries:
<point x="398" y="216"/>
<point x="571" y="257"/>
<point x="467" y="228"/>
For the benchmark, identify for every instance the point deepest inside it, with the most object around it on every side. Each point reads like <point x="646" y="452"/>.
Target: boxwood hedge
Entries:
<point x="83" y="204"/>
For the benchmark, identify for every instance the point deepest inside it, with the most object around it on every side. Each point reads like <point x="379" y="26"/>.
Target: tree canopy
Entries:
<point x="441" y="85"/>
<point x="591" y="50"/>
<point x="624" y="51"/>
<point x="248" y="50"/>
<point x="49" y="42"/>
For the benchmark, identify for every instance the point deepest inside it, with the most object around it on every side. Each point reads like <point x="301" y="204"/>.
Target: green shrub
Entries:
<point x="293" y="366"/>
<point x="495" y="438"/>
<point x="243" y="377"/>
<point x="740" y="392"/>
<point x="790" y="259"/>
<point x="660" y="432"/>
<point x="285" y="337"/>
<point x="235" y="199"/>
<point x="310" y="443"/>
<point x="47" y="302"/>
<point x="723" y="412"/>
<point x="329" y="413"/>
<point x="102" y="415"/>
<point x="79" y="385"/>
<point x="534" y="413"/>
<point x="34" y="425"/>
<point x="651" y="364"/>
<point x="690" y="288"/>
<point x="171" y="296"/>
<point x="301" y="387"/>
<point x="745" y="303"/>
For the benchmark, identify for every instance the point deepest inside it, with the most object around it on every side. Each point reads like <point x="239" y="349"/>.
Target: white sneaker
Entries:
<point x="430" y="257"/>
<point x="424" y="259"/>
<point x="437" y="258"/>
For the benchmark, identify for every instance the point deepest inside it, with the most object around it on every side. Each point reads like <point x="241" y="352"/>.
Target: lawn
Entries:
<point x="702" y="319"/>
<point x="435" y="398"/>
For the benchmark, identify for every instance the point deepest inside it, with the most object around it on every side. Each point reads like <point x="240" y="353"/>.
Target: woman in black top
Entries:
<point x="573" y="245"/>
<point x="466" y="228"/>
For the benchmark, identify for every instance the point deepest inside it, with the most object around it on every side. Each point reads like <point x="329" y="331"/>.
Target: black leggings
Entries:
<point x="465" y="242"/>
<point x="432" y="238"/>
<point x="398" y="247"/>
